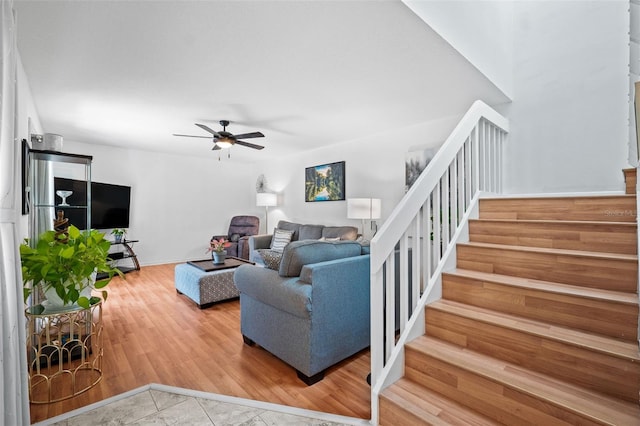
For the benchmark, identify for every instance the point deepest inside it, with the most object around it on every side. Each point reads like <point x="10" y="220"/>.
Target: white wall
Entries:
<point x="374" y="168"/>
<point x="479" y="30"/>
<point x="569" y="115"/>
<point x="177" y="202"/>
<point x="634" y="76"/>
<point x="26" y="110"/>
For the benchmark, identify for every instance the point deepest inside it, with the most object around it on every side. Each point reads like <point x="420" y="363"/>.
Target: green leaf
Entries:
<point x="101" y="283"/>
<point x="68" y="252"/>
<point x="93" y="300"/>
<point x="73" y="232"/>
<point x="104" y="295"/>
<point x="73" y="294"/>
<point x="84" y="302"/>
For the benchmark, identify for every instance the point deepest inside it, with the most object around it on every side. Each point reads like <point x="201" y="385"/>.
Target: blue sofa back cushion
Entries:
<point x="299" y="253"/>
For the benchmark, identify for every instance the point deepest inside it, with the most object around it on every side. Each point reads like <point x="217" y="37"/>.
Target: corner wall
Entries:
<point x="569" y="116"/>
<point x="464" y="25"/>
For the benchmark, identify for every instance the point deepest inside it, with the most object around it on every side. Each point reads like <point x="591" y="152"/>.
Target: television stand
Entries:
<point x="126" y="254"/>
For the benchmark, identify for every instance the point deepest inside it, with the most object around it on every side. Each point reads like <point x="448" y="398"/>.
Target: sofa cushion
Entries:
<point x="271" y="258"/>
<point x="342" y="232"/>
<point x="299" y="253"/>
<point x="266" y="286"/>
<point x="281" y="238"/>
<point x="310" y="232"/>
<point x="290" y="226"/>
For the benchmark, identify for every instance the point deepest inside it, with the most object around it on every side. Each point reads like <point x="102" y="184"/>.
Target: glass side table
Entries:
<point x="64" y="352"/>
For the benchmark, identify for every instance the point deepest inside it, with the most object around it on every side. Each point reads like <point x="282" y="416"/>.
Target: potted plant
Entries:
<point x="118" y="233"/>
<point x="217" y="249"/>
<point x="65" y="264"/>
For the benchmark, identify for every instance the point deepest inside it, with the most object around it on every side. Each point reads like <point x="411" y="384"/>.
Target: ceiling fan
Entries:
<point x="224" y="139"/>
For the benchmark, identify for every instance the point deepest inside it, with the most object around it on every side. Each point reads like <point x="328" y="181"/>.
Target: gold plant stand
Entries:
<point x="64" y="350"/>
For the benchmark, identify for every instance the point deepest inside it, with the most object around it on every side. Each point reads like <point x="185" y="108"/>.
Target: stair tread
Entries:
<point x="431" y="406"/>
<point x="560" y="197"/>
<point x="574" y="398"/>
<point x="631" y="225"/>
<point x="602" y="344"/>
<point x="549" y="286"/>
<point x="581" y="253"/>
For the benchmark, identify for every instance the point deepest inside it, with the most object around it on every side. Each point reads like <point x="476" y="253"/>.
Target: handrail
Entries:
<point x="414" y="244"/>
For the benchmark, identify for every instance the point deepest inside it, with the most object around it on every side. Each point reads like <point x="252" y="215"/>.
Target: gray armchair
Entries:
<point x="240" y="229"/>
<point x="313" y="311"/>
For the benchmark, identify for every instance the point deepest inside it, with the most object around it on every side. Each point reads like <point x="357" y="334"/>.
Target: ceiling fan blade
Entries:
<point x="208" y="129"/>
<point x="192" y="136"/>
<point x="249" y="135"/>
<point x="215" y="148"/>
<point x="249" y="145"/>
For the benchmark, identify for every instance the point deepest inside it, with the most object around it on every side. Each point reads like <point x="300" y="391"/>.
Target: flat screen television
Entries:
<point x="110" y="204"/>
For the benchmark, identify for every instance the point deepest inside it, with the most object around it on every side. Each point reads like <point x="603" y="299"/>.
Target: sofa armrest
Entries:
<point x="262" y="241"/>
<point x="243" y="247"/>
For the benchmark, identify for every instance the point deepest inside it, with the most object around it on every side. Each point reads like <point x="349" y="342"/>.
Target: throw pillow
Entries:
<point x="271" y="258"/>
<point x="329" y="239"/>
<point x="280" y="239"/>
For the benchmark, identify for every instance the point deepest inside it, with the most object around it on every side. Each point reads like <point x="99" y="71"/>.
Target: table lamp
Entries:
<point x="365" y="209"/>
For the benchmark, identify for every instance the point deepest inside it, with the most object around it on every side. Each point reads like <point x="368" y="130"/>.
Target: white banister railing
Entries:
<point x="411" y="249"/>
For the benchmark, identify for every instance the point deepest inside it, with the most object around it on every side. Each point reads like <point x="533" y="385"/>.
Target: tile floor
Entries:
<point x="164" y="405"/>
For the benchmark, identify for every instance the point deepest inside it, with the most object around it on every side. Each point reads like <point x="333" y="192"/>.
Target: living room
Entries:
<point x="179" y="200"/>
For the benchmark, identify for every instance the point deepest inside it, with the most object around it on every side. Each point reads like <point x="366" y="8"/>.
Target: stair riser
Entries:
<point x="611" y="238"/>
<point x="495" y="400"/>
<point x="600" y="209"/>
<point x="593" y="272"/>
<point x="602" y="317"/>
<point x="614" y="376"/>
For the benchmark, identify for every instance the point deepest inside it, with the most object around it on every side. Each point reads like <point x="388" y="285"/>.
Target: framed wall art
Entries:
<point x="324" y="182"/>
<point x="25" y="177"/>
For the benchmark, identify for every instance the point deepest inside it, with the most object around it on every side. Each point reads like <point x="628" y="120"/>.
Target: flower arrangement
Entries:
<point x="218" y="245"/>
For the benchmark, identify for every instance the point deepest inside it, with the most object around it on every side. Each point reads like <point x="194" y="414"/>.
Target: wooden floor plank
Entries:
<point x="154" y="335"/>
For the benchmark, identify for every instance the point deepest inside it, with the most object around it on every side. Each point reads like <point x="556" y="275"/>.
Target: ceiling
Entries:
<point x="305" y="73"/>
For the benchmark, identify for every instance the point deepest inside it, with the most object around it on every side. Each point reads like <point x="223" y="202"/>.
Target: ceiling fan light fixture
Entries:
<point x="224" y="143"/>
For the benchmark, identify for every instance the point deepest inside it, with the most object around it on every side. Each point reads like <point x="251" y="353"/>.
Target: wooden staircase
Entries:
<point x="537" y="325"/>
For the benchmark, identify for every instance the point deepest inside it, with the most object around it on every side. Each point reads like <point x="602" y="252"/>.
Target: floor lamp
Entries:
<point x="364" y="208"/>
<point x="266" y="199"/>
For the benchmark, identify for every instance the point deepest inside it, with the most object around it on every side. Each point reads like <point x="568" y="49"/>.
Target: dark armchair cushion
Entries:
<point x="244" y="225"/>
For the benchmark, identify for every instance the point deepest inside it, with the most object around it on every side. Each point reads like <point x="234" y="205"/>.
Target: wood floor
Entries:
<point x="153" y="335"/>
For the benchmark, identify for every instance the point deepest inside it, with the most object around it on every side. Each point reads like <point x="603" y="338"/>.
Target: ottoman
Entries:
<point x="205" y="287"/>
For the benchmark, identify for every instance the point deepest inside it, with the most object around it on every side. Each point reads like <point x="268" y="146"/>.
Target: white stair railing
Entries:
<point x="419" y="237"/>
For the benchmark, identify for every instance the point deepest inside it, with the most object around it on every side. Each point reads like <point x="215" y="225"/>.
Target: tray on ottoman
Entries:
<point x="208" y="265"/>
<point x="206" y="283"/>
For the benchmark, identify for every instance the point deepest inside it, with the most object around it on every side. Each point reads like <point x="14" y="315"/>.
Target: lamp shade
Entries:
<point x="364" y="208"/>
<point x="266" y="199"/>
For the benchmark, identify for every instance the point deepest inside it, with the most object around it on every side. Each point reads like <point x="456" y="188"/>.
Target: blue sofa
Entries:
<point x="314" y="310"/>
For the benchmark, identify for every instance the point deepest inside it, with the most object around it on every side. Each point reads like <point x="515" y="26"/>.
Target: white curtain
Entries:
<point x="14" y="401"/>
